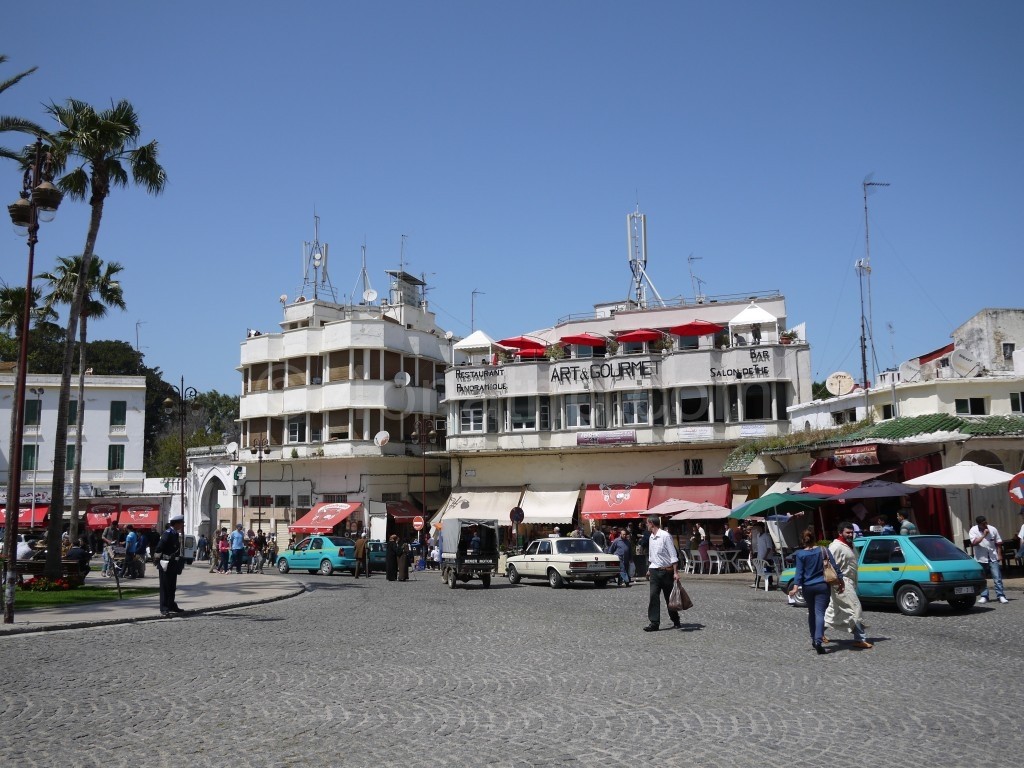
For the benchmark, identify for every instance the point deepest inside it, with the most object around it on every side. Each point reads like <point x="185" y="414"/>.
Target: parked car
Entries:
<point x="563" y="560"/>
<point x="322" y="553"/>
<point x="912" y="572"/>
<point x="376" y="556"/>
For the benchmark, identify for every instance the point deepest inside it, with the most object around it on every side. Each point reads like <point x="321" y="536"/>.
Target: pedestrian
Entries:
<point x="810" y="576"/>
<point x="170" y="564"/>
<point x="621" y="549"/>
<point x="988" y="550"/>
<point x="762" y="548"/>
<point x="403" y="560"/>
<point x="391" y="558"/>
<point x="272" y="551"/>
<point x="844" y="609"/>
<point x="599" y="538"/>
<point x="663" y="571"/>
<point x="907" y="528"/>
<point x="362" y="556"/>
<point x="202" y="547"/>
<point x="81" y="554"/>
<point x="110" y="536"/>
<point x="236" y="543"/>
<point x="223" y="551"/>
<point x="131" y="543"/>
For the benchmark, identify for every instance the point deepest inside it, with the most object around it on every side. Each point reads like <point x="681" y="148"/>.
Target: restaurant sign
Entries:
<point x="856" y="456"/>
<point x="480" y="381"/>
<point x="607" y="437"/>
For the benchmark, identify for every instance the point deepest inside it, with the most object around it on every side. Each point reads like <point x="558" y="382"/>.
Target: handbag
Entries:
<point x="679" y="600"/>
<point x="831" y="577"/>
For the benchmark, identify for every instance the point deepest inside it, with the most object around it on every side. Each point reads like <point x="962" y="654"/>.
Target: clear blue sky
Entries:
<point x="508" y="141"/>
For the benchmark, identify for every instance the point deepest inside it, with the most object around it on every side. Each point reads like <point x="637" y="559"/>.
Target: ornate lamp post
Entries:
<point x="185" y="397"/>
<point x="38" y="203"/>
<point x="259" y="448"/>
<point x="424" y="434"/>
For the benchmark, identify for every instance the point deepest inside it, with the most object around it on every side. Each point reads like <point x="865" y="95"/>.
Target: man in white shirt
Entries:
<point x="988" y="550"/>
<point x="662" y="571"/>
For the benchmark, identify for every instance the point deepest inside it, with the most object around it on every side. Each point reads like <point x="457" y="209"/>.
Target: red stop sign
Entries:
<point x="417" y="523"/>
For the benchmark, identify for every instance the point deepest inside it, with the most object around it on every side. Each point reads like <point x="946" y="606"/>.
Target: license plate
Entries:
<point x="963" y="590"/>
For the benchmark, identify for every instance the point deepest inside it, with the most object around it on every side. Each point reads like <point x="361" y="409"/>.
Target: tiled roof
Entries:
<point x="739" y="459"/>
<point x="899" y="429"/>
<point x="993" y="426"/>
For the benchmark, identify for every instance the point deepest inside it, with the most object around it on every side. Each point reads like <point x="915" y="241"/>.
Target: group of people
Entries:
<point x="251" y="549"/>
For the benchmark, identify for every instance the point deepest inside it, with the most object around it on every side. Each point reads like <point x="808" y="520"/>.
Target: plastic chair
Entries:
<point x="715" y="561"/>
<point x="759" y="567"/>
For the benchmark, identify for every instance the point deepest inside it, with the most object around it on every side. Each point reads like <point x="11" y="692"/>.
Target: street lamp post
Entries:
<point x="38" y="203"/>
<point x="38" y="392"/>
<point x="424" y="434"/>
<point x="185" y="396"/>
<point x="259" y="448"/>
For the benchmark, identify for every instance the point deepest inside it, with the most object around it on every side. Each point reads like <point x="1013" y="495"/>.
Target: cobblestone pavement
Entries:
<point x="369" y="672"/>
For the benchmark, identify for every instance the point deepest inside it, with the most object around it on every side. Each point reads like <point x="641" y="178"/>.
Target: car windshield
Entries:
<point x="577" y="547"/>
<point x="338" y="541"/>
<point x="938" y="548"/>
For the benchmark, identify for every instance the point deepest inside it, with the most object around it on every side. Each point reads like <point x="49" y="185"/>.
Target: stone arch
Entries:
<point x="985" y="459"/>
<point x="208" y="504"/>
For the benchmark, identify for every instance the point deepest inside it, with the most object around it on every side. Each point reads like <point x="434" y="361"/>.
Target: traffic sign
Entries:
<point x="417" y="523"/>
<point x="1016" y="488"/>
<point x="516" y="515"/>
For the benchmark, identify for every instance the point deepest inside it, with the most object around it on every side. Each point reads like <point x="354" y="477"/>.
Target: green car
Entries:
<point x="912" y="572"/>
<point x="319" y="553"/>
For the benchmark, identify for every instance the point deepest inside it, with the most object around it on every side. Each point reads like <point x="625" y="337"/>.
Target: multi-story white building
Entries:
<point x="112" y="440"/>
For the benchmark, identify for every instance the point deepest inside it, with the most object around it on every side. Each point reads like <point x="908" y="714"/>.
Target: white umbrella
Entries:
<point x="966" y="474"/>
<point x="671" y="507"/>
<point x="705" y="510"/>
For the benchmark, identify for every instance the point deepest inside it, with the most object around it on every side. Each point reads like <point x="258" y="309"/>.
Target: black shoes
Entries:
<point x="677" y="623"/>
<point x="820" y="651"/>
<point x="651" y="628"/>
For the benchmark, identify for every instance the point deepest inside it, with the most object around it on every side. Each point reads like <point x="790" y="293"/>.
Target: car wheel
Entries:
<point x="486" y="579"/>
<point x="962" y="603"/>
<point x="911" y="600"/>
<point x="600" y="583"/>
<point x="513" y="575"/>
<point x="282" y="565"/>
<point x="452" y="579"/>
<point x="326" y="568"/>
<point x="555" y="579"/>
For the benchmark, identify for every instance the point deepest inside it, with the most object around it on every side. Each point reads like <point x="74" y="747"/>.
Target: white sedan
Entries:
<point x="562" y="560"/>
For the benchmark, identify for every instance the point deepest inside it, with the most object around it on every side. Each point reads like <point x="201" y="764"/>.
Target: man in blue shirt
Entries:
<point x="236" y="543"/>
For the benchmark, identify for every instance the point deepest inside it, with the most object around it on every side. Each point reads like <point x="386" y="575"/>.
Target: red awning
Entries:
<point x="324" y="518"/>
<point x="823" y="490"/>
<point x="403" y="511"/>
<point x="840" y="479"/>
<point x="530" y="353"/>
<point x="616" y="501"/>
<point x="99" y="515"/>
<point x="522" y="342"/>
<point x="29" y="517"/>
<point x="585" y="340"/>
<point x="935" y="355"/>
<point x="140" y="515"/>
<point x="714" y="489"/>
<point x="697" y="328"/>
<point x="640" y="335"/>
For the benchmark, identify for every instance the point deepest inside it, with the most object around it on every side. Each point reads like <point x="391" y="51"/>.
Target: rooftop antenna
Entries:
<point x="137" y="324"/>
<point x="401" y="254"/>
<point x="636" y="236"/>
<point x="472" y="308"/>
<point x="864" y="272"/>
<point x="368" y="294"/>
<point x="696" y="282"/>
<point x="314" y="266"/>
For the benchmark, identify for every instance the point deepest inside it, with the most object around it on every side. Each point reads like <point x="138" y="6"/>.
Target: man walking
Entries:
<point x="236" y="542"/>
<point x="988" y="550"/>
<point x="907" y="528"/>
<point x="109" y="540"/>
<point x="362" y="556"/>
<point x="621" y="549"/>
<point x="663" y="572"/>
<point x="169" y="564"/>
<point x="844" y="610"/>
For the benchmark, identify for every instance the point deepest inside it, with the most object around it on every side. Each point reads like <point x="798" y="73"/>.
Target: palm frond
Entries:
<point x="75" y="184"/>
<point x="146" y="169"/>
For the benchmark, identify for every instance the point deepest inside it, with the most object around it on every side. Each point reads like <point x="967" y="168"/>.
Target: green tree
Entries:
<point x="102" y="290"/>
<point x="96" y="151"/>
<point x="211" y="422"/>
<point x="16" y="124"/>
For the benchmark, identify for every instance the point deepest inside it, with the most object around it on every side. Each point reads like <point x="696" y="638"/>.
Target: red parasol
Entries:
<point x="522" y="342"/>
<point x="531" y="353"/>
<point x="639" y="335"/>
<point x="585" y="340"/>
<point x="697" y="328"/>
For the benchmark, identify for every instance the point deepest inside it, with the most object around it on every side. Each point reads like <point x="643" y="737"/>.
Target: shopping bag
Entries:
<point x="679" y="600"/>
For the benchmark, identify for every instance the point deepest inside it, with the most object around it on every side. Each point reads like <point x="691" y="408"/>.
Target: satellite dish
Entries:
<point x="910" y="371"/>
<point x="317" y="258"/>
<point x="283" y="298"/>
<point x="402" y="379"/>
<point x="449" y="335"/>
<point x="839" y="383"/>
<point x="369" y="295"/>
<point x="231" y="447"/>
<point x="964" y="365"/>
<point x="381" y="438"/>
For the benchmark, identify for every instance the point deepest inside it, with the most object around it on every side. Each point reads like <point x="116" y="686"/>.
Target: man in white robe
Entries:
<point x="844" y="611"/>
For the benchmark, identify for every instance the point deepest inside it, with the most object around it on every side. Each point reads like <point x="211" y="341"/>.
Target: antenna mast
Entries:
<point x="864" y="272"/>
<point x="368" y="295"/>
<point x="636" y="237"/>
<point x="696" y="282"/>
<point x="314" y="265"/>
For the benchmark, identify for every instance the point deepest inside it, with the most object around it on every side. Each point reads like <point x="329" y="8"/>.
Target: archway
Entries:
<point x="208" y="507"/>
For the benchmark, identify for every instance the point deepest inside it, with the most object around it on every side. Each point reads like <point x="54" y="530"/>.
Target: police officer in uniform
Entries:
<point x="169" y="564"/>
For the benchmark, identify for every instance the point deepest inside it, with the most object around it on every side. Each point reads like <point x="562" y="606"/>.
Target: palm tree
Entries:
<point x="97" y="151"/>
<point x="102" y="290"/>
<point x="16" y="124"/>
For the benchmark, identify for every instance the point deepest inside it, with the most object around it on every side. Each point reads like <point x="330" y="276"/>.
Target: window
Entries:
<point x="115" y="457"/>
<point x="471" y="415"/>
<point x="757" y="402"/>
<point x="118" y="413"/>
<point x="532" y="549"/>
<point x="970" y="406"/>
<point x="1016" y="398"/>
<point x="693" y="466"/>
<point x="69" y="458"/>
<point x="634" y="408"/>
<point x="886" y="412"/>
<point x="693" y="404"/>
<point x="283" y="501"/>
<point x="883" y="552"/>
<point x="297" y="429"/>
<point x="29" y="454"/>
<point x="544" y="548"/>
<point x="335" y="498"/>
<point x="844" y="417"/>
<point x="577" y="411"/>
<point x="303" y="501"/>
<point x="1008" y="347"/>
<point x="391" y="496"/>
<point x="33" y="412"/>
<point x="523" y="413"/>
<point x="544" y="407"/>
<point x="73" y="413"/>
<point x="260" y="501"/>
<point x="632" y="348"/>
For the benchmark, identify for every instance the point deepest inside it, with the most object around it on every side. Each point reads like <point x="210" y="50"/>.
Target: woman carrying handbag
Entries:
<point x="811" y="576"/>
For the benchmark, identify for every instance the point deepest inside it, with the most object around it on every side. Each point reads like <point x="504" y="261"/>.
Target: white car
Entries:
<point x="561" y="560"/>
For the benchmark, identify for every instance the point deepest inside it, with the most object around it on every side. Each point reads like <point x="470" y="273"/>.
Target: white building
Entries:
<point x="112" y="441"/>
